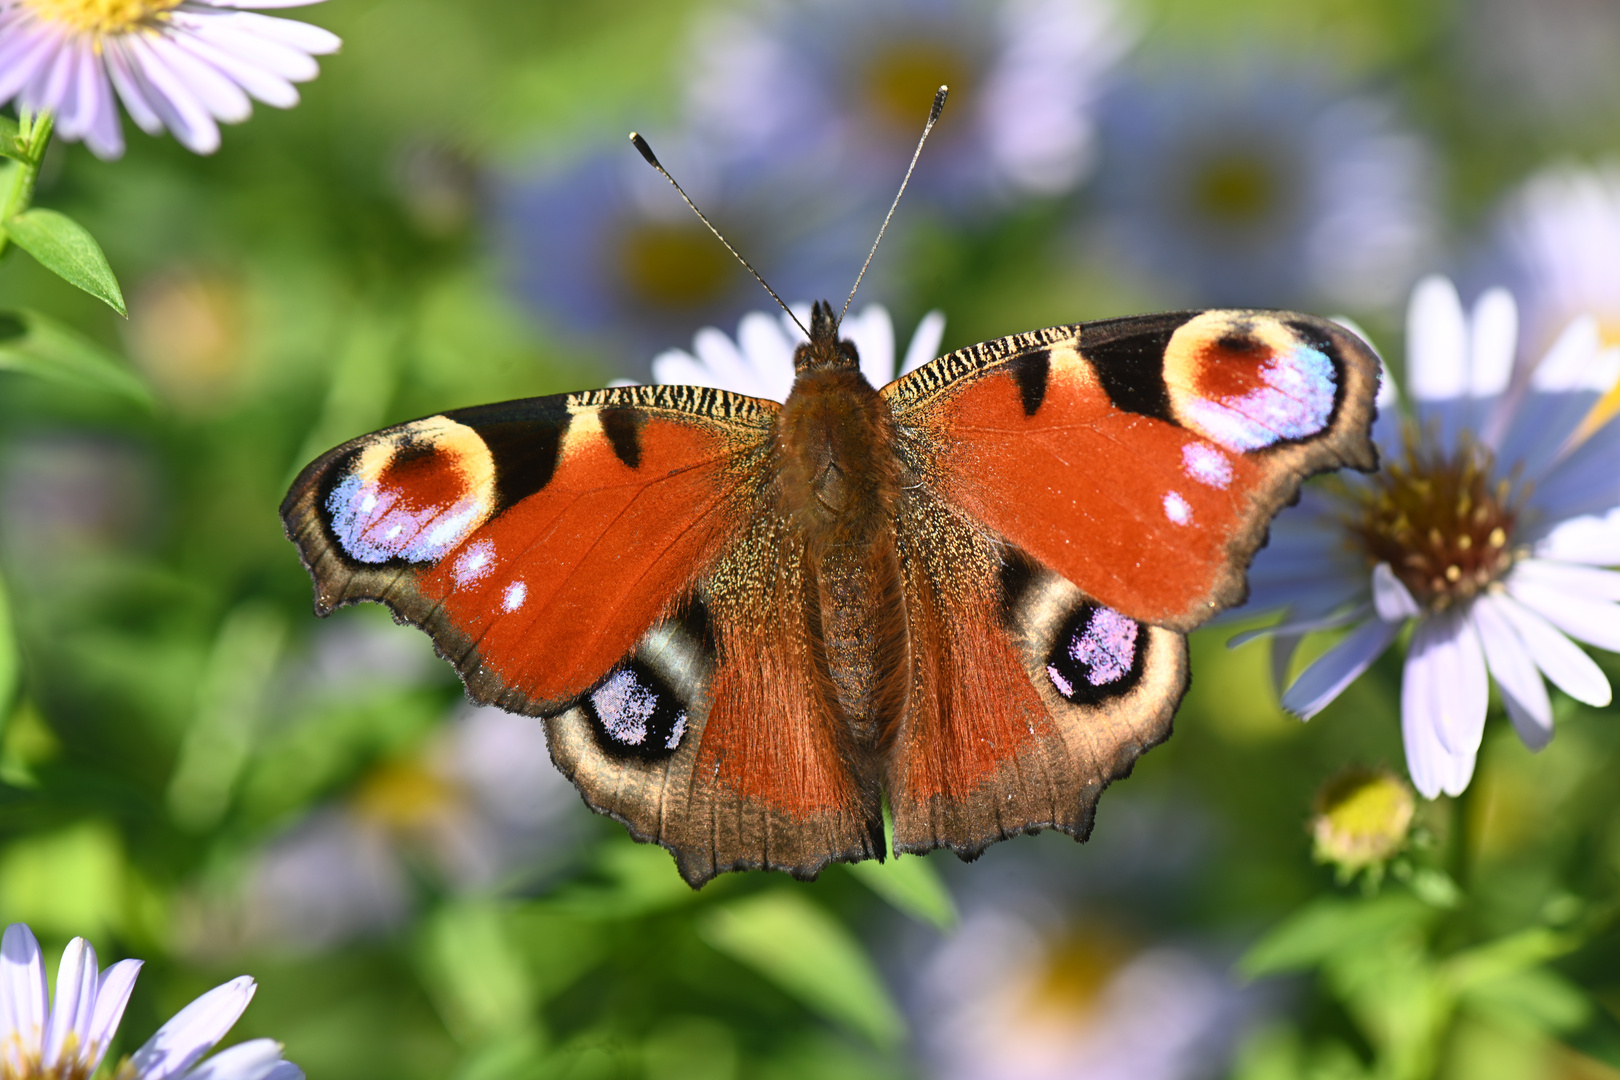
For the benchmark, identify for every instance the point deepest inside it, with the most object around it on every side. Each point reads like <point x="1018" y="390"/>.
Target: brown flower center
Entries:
<point x="1442" y="522"/>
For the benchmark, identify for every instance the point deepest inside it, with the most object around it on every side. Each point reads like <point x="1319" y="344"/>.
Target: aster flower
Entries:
<point x="760" y="362"/>
<point x="1261" y="186"/>
<point x="841" y="87"/>
<point x="67" y="1039"/>
<point x="1487" y="530"/>
<point x="602" y="246"/>
<point x="1560" y="235"/>
<point x="176" y="64"/>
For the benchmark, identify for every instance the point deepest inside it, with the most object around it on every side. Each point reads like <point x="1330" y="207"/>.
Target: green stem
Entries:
<point x="35" y="130"/>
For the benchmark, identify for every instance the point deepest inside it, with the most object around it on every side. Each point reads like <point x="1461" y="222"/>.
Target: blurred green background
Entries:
<point x="196" y="771"/>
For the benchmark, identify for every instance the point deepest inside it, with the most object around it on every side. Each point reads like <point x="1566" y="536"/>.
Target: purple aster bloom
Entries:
<point x="842" y="87"/>
<point x="176" y="64"/>
<point x="1488" y="529"/>
<point x="1261" y="187"/>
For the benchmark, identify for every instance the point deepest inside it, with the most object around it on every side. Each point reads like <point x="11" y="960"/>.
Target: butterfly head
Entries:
<point x="824" y="351"/>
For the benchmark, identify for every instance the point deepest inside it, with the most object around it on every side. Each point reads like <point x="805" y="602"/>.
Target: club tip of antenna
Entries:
<point x="641" y="145"/>
<point x="939" y="103"/>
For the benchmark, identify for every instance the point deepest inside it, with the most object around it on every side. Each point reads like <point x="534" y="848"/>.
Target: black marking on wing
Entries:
<point x="524" y="439"/>
<point x="335" y="473"/>
<point x="1030" y="371"/>
<point x="1319" y="340"/>
<point x="623" y="430"/>
<point x="1084" y="662"/>
<point x="635" y="713"/>
<point x="1017" y="575"/>
<point x="1128" y="355"/>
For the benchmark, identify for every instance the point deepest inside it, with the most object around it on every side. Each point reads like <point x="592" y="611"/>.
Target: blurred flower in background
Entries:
<point x="181" y="66"/>
<point x="479" y="807"/>
<point x="44" y="1041"/>
<point x="605" y="246"/>
<point x="1253" y="186"/>
<point x="841" y="88"/>
<point x="1030" y="988"/>
<point x="1496" y="507"/>
<point x="760" y="362"/>
<point x="187" y="333"/>
<point x="1560" y="235"/>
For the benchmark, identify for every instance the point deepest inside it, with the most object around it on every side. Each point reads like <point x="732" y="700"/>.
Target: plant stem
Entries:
<point x="35" y="130"/>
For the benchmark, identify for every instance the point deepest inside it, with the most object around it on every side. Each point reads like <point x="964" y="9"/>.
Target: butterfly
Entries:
<point x="746" y="625"/>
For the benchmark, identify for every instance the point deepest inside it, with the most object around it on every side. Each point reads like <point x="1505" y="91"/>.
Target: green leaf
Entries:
<point x="8" y="653"/>
<point x="66" y="249"/>
<point x="812" y="956"/>
<point x="36" y="345"/>
<point x="1319" y="930"/>
<point x="1539" y="1000"/>
<point x="911" y="884"/>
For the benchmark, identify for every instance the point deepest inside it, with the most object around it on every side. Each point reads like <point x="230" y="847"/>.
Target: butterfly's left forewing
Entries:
<point x="613" y="562"/>
<point x="1078" y="498"/>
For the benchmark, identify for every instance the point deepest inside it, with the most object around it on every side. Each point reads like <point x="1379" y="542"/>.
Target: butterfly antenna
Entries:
<point x="646" y="152"/>
<point x="933" y="118"/>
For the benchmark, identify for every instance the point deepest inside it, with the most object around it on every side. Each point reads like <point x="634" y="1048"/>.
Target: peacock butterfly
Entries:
<point x="746" y="623"/>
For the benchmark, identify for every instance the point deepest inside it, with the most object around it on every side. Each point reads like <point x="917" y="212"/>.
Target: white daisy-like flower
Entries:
<point x="177" y="64"/>
<point x="1490" y="523"/>
<point x="68" y="1038"/>
<point x="759" y="362"/>
<point x="1561" y="235"/>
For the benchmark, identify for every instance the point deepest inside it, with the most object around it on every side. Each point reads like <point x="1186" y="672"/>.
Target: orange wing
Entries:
<point x="612" y="561"/>
<point x="1141" y="458"/>
<point x="1077" y="497"/>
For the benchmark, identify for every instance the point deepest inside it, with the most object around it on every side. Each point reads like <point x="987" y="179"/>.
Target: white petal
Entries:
<point x="1596" y="622"/>
<point x="269" y="88"/>
<point x="1587" y="581"/>
<point x="1523" y="691"/>
<point x="678" y="368"/>
<point x="256" y="1059"/>
<point x="1568" y="365"/>
<point x="1337" y="668"/>
<point x="1590" y="539"/>
<point x="222" y="97"/>
<point x="224" y="33"/>
<point x="1436" y="341"/>
<point x="49" y="87"/>
<point x="105" y="136"/>
<point x="299" y="35"/>
<point x="1433" y="768"/>
<point x="22" y="998"/>
<point x="78" y="99"/>
<point x="924" y="342"/>
<point x="71" y="1014"/>
<point x="1454" y="656"/>
<point x="1578" y="478"/>
<point x="1301" y="627"/>
<point x="1391" y="598"/>
<point x="111" y="997"/>
<point x="1494" y="338"/>
<point x="172" y="99"/>
<point x="726" y="364"/>
<point x="22" y="54"/>
<point x="258" y="3"/>
<point x="872" y="332"/>
<point x="769" y="352"/>
<point x="1559" y="658"/>
<point x="121" y="69"/>
<point x="193" y="1031"/>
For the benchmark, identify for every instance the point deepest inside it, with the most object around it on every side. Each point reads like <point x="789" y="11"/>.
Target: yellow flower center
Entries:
<point x="404" y="796"/>
<point x="673" y="266"/>
<point x="899" y="81"/>
<point x="103" y="18"/>
<point x="1440" y="522"/>
<point x="1362" y="818"/>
